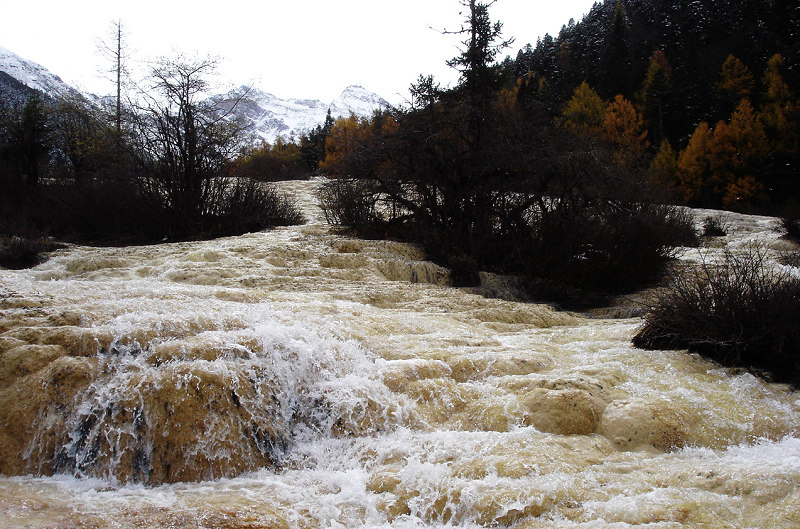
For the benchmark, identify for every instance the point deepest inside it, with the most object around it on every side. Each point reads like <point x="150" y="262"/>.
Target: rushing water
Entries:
<point x="298" y="378"/>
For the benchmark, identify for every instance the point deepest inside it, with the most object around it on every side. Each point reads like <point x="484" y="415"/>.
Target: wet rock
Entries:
<point x="565" y="412"/>
<point x="635" y="425"/>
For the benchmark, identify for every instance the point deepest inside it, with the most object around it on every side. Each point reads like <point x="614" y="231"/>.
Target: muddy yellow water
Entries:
<point x="298" y="378"/>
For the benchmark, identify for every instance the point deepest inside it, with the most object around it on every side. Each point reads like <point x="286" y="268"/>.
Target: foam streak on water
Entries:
<point x="302" y="379"/>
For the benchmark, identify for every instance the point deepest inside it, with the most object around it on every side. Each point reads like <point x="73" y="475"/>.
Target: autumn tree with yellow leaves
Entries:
<point x="663" y="169"/>
<point x="694" y="166"/>
<point x="780" y="110"/>
<point x="740" y="149"/>
<point x="280" y="160"/>
<point x="349" y="141"/>
<point x="624" y="129"/>
<point x="585" y="112"/>
<point x="344" y="139"/>
<point x="616" y="123"/>
<point x="722" y="166"/>
<point x="742" y="162"/>
<point x="736" y="82"/>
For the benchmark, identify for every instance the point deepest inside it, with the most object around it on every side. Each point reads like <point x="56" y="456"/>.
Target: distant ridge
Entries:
<point x="269" y="117"/>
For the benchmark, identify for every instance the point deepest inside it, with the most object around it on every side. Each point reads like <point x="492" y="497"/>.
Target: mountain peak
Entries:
<point x="354" y="89"/>
<point x="269" y="116"/>
<point x="33" y="75"/>
<point x="356" y="99"/>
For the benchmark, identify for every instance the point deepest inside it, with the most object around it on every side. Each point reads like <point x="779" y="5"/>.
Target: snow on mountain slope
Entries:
<point x="357" y="100"/>
<point x="268" y="116"/>
<point x="33" y="75"/>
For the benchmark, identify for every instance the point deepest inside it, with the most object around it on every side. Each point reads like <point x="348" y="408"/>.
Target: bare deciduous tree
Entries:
<point x="182" y="138"/>
<point x="116" y="52"/>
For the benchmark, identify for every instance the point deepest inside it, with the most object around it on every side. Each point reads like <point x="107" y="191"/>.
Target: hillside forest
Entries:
<point x="713" y="85"/>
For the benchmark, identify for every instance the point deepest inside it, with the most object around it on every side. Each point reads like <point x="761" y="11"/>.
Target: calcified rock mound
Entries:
<point x="184" y="402"/>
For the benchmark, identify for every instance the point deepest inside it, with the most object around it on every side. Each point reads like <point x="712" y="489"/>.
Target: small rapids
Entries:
<point x="298" y="378"/>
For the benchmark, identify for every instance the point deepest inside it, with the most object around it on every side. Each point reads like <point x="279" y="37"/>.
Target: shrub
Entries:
<point x="613" y="247"/>
<point x="118" y="212"/>
<point x="740" y="312"/>
<point x="715" y="226"/>
<point x="790" y="257"/>
<point x="568" y="253"/>
<point x="637" y="240"/>
<point x="18" y="253"/>
<point x="349" y="203"/>
<point x="110" y="212"/>
<point x="790" y="221"/>
<point x="249" y="206"/>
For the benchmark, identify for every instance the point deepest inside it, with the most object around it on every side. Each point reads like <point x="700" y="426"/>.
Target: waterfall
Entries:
<point x="302" y="378"/>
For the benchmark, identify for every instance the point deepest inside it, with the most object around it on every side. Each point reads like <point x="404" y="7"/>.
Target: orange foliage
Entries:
<point x="344" y="139"/>
<point x="739" y="147"/>
<point x="736" y="81"/>
<point x="694" y="164"/>
<point x="623" y="127"/>
<point x="659" y="60"/>
<point x="279" y="161"/>
<point x="719" y="165"/>
<point x="742" y="189"/>
<point x="746" y="134"/>
<point x="506" y="99"/>
<point x="780" y="111"/>
<point x="352" y="136"/>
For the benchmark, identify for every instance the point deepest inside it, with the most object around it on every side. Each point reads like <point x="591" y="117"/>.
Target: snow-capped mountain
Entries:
<point x="268" y="116"/>
<point x="33" y="75"/>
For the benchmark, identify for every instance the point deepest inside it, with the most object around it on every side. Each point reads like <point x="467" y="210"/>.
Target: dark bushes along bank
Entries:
<point x="740" y="312"/>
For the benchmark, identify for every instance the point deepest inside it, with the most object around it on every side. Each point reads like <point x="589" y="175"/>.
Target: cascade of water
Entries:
<point x="299" y="378"/>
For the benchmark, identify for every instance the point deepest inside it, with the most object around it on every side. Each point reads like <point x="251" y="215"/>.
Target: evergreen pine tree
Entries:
<point x="312" y="146"/>
<point x="615" y="60"/>
<point x="479" y="79"/>
<point x="653" y="98"/>
<point x="32" y="138"/>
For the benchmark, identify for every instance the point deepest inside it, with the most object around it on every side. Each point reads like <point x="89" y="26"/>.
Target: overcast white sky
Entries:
<point x="291" y="48"/>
